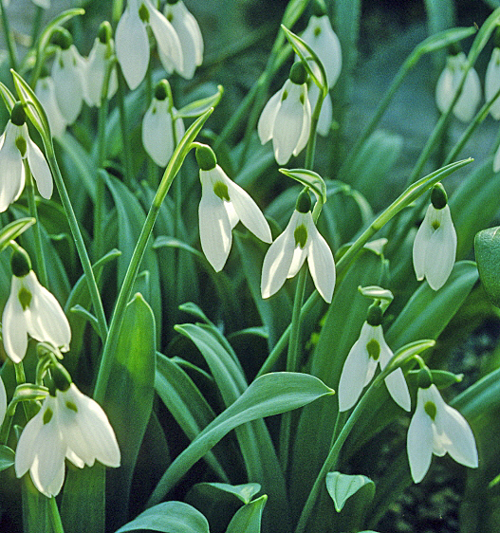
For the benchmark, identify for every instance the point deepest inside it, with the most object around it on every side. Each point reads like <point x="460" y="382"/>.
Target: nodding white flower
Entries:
<point x="223" y="204"/>
<point x="435" y="245"/>
<point x="16" y="147"/>
<point x="287" y="254"/>
<point x="324" y="42"/>
<point x="190" y="37"/>
<point x="448" y="84"/>
<point x="368" y="352"/>
<point x="3" y="401"/>
<point x="436" y="428"/>
<point x="132" y="42"/>
<point x="46" y="92"/>
<point x="96" y="66"/>
<point x="31" y="310"/>
<point x="492" y="82"/>
<point x="286" y="118"/>
<point x="157" y="131"/>
<point x="69" y="425"/>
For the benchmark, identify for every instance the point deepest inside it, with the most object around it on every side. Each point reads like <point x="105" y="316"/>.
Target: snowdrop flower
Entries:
<point x="157" y="132"/>
<point x="69" y="425"/>
<point x="96" y="66"/>
<point x="368" y="352"/>
<point x="190" y="38"/>
<point x="492" y="82"/>
<point x="448" y="83"/>
<point x="132" y="42"/>
<point x="16" y="147"/>
<point x="223" y="204"/>
<point x="68" y="75"/>
<point x="435" y="244"/>
<point x="45" y="4"/>
<point x="286" y="118"/>
<point x="436" y="428"/>
<point x="31" y="310"/>
<point x="3" y="401"/>
<point x="288" y="252"/>
<point x="46" y="92"/>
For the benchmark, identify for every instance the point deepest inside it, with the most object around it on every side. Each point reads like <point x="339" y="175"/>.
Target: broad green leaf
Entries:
<point x="308" y="178"/>
<point x="169" y="517"/>
<point x="40" y="514"/>
<point x="7" y="457"/>
<point x="197" y="108"/>
<point x="440" y="15"/>
<point x="248" y="518"/>
<point x="244" y="493"/>
<point x="269" y="395"/>
<point x="342" y="486"/>
<point x="13" y="230"/>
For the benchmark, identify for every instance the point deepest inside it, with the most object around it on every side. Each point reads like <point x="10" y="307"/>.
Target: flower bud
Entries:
<point x="205" y="157"/>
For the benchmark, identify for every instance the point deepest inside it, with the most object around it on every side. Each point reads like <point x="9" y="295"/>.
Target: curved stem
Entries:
<point x="8" y="37"/>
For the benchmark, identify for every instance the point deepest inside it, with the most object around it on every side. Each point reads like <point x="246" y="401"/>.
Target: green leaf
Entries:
<point x="342" y="486"/>
<point x="7" y="457"/>
<point x="13" y="230"/>
<point x="440" y="15"/>
<point x="248" y="518"/>
<point x="197" y="108"/>
<point x="269" y="395"/>
<point x="244" y="493"/>
<point x="7" y="97"/>
<point x="169" y="517"/>
<point x="308" y="178"/>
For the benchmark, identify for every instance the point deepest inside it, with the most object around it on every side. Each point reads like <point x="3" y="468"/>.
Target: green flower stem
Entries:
<point x="37" y="23"/>
<point x="116" y="11"/>
<point x="11" y="49"/>
<point x="133" y="268"/>
<point x="127" y="149"/>
<point x="55" y="517"/>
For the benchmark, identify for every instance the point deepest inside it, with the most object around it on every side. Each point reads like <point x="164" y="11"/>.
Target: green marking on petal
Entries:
<point x="284" y="96"/>
<point x="144" y="13"/>
<point x="221" y="190"/>
<point x="300" y="235"/>
<point x="24" y="296"/>
<point x="317" y="31"/>
<point x="430" y="409"/>
<point x="47" y="416"/>
<point x="302" y="99"/>
<point x="373" y="348"/>
<point x="21" y="145"/>
<point x="72" y="406"/>
<point x="435" y="224"/>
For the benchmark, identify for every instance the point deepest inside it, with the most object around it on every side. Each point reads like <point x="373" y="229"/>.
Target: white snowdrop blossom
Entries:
<point x="190" y="37"/>
<point x="69" y="425"/>
<point x="436" y="428"/>
<point x="46" y="92"/>
<point x="132" y="42"/>
<point x="435" y="246"/>
<point x="286" y="255"/>
<point x="223" y="204"/>
<point x="368" y="352"/>
<point x="95" y="72"/>
<point x="16" y="147"/>
<point x="286" y="118"/>
<point x="492" y="82"/>
<point x="3" y="401"/>
<point x="32" y="310"/>
<point x="448" y="84"/>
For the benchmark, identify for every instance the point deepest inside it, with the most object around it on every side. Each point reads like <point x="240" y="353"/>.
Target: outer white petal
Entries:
<point x="419" y="440"/>
<point x="289" y="122"/>
<point x="27" y="446"/>
<point x="45" y="318"/>
<point x="321" y="263"/>
<point x="492" y="82"/>
<point x="306" y="124"/>
<point x="157" y="135"/>
<point x="45" y="90"/>
<point x="326" y="114"/>
<point x="248" y="212"/>
<point x="268" y="116"/>
<point x="469" y="99"/>
<point x="39" y="168"/>
<point x="3" y="401"/>
<point x="189" y="35"/>
<point x="132" y="45"/>
<point x="215" y="226"/>
<point x="496" y="160"/>
<point x="14" y="325"/>
<point x="278" y="260"/>
<point x="421" y="242"/>
<point x="298" y="259"/>
<point x="12" y="178"/>
<point x="68" y="81"/>
<point x="445" y="89"/>
<point x="95" y="71"/>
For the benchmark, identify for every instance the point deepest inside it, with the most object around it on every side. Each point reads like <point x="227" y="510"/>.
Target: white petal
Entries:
<point x="27" y="446"/>
<point x="132" y="46"/>
<point x="12" y="178"/>
<point x="268" y="116"/>
<point x="398" y="389"/>
<point x="39" y="168"/>
<point x="421" y="242"/>
<point x="95" y="71"/>
<point x="326" y="113"/>
<point x="298" y="259"/>
<point x="68" y="82"/>
<point x="14" y="325"/>
<point x="45" y="4"/>
<point x="496" y="160"/>
<point x="321" y="263"/>
<point x="3" y="401"/>
<point x="419" y="441"/>
<point x="157" y="134"/>
<point x="306" y="124"/>
<point x="492" y="82"/>
<point x="45" y="90"/>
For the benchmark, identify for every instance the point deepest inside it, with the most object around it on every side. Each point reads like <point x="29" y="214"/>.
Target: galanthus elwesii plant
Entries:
<point x="196" y="339"/>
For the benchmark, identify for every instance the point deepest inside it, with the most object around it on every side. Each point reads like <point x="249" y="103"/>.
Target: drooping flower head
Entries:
<point x="159" y="136"/>
<point x="448" y="83"/>
<point x="45" y="91"/>
<point x="31" y="310"/>
<point x="300" y="240"/>
<point x="132" y="42"/>
<point x="436" y="428"/>
<point x="435" y="244"/>
<point x="16" y="149"/>
<point x="69" y="425"/>
<point x="286" y="118"/>
<point x="368" y="352"/>
<point x="223" y="204"/>
<point x="190" y="37"/>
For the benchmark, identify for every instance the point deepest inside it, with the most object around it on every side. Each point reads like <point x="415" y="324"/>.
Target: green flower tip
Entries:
<point x="424" y="378"/>
<point x="161" y="90"/>
<point x="62" y="379"/>
<point x="303" y="204"/>
<point x="18" y="115"/>
<point x="439" y="198"/>
<point x="20" y="263"/>
<point x="298" y="73"/>
<point x="318" y="8"/>
<point x="205" y="157"/>
<point x="374" y="315"/>
<point x="62" y="38"/>
<point x="105" y="32"/>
